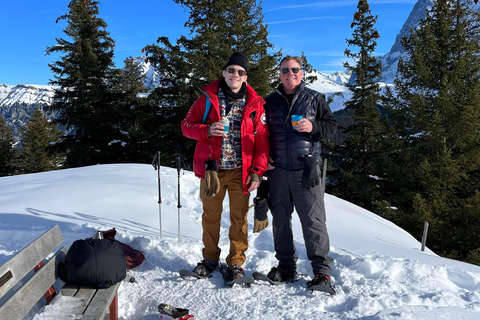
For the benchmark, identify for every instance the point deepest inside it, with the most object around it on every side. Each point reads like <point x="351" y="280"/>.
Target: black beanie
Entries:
<point x="239" y="59"/>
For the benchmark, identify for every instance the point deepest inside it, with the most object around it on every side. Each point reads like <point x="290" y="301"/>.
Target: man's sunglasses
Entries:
<point x="241" y="73"/>
<point x="294" y="70"/>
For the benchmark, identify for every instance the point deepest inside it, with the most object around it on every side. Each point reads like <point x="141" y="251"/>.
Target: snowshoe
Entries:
<point x="203" y="270"/>
<point x="321" y="283"/>
<point x="234" y="274"/>
<point x="263" y="277"/>
<point x="279" y="275"/>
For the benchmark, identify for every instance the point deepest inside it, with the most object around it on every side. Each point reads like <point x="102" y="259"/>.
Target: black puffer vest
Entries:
<point x="288" y="146"/>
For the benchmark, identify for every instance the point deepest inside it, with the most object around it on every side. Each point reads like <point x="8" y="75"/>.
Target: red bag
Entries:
<point x="134" y="257"/>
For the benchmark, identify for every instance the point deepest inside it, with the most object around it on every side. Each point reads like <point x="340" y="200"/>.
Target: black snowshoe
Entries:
<point x="321" y="283"/>
<point x="234" y="274"/>
<point x="278" y="275"/>
<point x="203" y="270"/>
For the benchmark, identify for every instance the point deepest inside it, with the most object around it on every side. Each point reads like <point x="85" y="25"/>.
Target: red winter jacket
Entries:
<point x="254" y="132"/>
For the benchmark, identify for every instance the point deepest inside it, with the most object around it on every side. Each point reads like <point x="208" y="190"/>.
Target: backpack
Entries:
<point x="95" y="263"/>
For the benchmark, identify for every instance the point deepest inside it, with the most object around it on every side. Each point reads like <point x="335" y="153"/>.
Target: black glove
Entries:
<point x="260" y="220"/>
<point x="311" y="174"/>
<point x="212" y="184"/>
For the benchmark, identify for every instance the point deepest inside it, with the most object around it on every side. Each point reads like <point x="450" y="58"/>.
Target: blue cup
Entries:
<point x="226" y="125"/>
<point x="295" y="119"/>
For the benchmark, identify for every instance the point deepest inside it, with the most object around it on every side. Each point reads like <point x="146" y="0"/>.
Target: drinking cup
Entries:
<point x="295" y="119"/>
<point x="226" y="125"/>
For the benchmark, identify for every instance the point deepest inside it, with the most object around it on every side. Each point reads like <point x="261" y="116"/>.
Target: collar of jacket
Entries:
<point x="211" y="91"/>
<point x="282" y="93"/>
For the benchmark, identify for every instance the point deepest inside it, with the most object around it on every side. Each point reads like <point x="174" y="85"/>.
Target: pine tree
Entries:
<point x="7" y="150"/>
<point x="85" y="100"/>
<point x="219" y="28"/>
<point x="38" y="136"/>
<point x="436" y="109"/>
<point x="138" y="112"/>
<point x="357" y="158"/>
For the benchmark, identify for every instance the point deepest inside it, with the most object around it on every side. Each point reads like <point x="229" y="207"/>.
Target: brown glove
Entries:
<point x="259" y="225"/>
<point x="260" y="218"/>
<point x="212" y="184"/>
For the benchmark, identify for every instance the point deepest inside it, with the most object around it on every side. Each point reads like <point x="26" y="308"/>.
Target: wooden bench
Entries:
<point x="29" y="276"/>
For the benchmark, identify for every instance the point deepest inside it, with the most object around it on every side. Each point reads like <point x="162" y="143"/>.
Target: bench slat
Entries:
<point x="100" y="305"/>
<point x="95" y="304"/>
<point x="33" y="290"/>
<point x="82" y="295"/>
<point x="30" y="256"/>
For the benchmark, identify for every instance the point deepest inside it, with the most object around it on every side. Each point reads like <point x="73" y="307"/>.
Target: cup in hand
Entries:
<point x="295" y="119"/>
<point x="226" y="125"/>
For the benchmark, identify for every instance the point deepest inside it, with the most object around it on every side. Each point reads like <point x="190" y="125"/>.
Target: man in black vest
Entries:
<point x="294" y="174"/>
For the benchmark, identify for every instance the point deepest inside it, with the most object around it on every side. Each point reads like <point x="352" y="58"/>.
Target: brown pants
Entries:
<point x="230" y="180"/>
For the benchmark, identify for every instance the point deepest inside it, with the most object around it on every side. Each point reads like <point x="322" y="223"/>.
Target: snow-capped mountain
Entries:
<point x="18" y="102"/>
<point x="390" y="60"/>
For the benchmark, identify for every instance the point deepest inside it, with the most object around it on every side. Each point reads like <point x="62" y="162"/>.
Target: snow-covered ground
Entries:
<point x="379" y="271"/>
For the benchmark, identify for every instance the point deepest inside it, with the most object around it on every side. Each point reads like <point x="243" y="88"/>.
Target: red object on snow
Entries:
<point x="134" y="257"/>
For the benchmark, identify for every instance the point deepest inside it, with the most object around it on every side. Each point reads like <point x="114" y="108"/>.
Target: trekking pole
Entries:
<point x="156" y="166"/>
<point x="179" y="167"/>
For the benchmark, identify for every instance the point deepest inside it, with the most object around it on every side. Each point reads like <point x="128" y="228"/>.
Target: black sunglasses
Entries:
<point x="294" y="70"/>
<point x="241" y="73"/>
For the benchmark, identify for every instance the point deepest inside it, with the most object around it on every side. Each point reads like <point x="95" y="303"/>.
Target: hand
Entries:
<point x="304" y="125"/>
<point x="211" y="181"/>
<point x="260" y="220"/>
<point x="270" y="165"/>
<point x="252" y="184"/>
<point x="216" y="129"/>
<point x="311" y="174"/>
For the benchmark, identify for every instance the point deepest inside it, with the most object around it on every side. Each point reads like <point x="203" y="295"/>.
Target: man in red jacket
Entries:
<point x="228" y="121"/>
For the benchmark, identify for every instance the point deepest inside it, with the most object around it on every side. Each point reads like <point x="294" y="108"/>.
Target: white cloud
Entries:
<point x="337" y="4"/>
<point x="305" y="19"/>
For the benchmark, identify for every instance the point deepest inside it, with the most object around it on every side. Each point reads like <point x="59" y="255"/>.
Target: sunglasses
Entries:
<point x="241" y="73"/>
<point x="294" y="70"/>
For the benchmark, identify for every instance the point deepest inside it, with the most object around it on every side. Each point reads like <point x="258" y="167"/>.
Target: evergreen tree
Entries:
<point x="357" y="158"/>
<point x="436" y="110"/>
<point x="7" y="150"/>
<point x="38" y="136"/>
<point x="219" y="28"/>
<point x="138" y="114"/>
<point x="84" y="75"/>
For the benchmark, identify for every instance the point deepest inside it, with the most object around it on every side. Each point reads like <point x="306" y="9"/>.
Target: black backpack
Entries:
<point x="95" y="263"/>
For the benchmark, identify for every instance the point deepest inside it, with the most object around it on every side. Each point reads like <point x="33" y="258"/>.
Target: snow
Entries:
<point x="378" y="270"/>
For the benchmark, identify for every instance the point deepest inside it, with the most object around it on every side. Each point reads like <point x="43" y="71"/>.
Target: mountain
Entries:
<point x="379" y="271"/>
<point x="18" y="102"/>
<point x="390" y="60"/>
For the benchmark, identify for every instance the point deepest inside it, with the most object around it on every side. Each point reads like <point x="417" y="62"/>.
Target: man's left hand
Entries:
<point x="304" y="125"/>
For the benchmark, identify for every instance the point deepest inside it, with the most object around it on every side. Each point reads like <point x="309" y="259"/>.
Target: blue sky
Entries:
<point x="318" y="28"/>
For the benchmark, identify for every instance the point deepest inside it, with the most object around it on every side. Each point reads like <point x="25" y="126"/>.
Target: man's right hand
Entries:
<point x="216" y="129"/>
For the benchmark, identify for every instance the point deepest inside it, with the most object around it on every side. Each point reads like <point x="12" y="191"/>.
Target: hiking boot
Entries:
<point x="233" y="272"/>
<point x="321" y="282"/>
<point x="205" y="267"/>
<point x="283" y="274"/>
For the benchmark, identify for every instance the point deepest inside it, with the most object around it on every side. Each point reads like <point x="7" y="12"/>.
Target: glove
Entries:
<point x="311" y="174"/>
<point x="260" y="218"/>
<point x="212" y="184"/>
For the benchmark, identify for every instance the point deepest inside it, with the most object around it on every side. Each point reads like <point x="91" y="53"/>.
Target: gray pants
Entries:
<point x="286" y="192"/>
